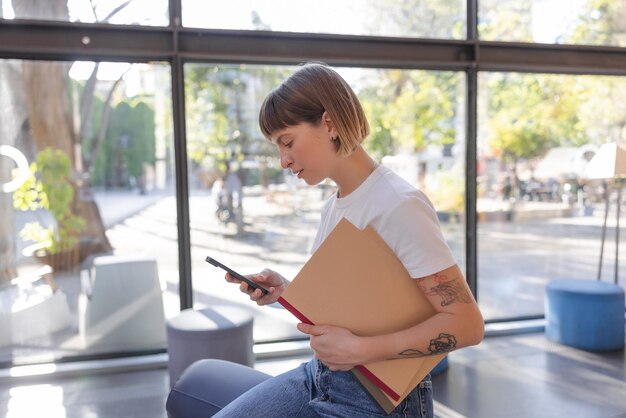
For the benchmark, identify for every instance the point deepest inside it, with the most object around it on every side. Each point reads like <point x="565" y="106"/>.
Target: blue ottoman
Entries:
<point x="585" y="314"/>
<point x="441" y="367"/>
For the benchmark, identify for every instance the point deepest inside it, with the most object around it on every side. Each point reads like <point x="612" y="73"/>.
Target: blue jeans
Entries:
<point x="312" y="390"/>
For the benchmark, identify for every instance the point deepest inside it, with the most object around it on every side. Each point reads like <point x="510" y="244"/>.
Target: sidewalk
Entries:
<point x="117" y="206"/>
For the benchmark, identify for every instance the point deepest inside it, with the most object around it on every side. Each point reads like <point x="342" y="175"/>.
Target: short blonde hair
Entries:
<point x="304" y="97"/>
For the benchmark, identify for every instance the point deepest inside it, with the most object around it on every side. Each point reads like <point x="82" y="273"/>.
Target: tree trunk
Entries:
<point x="50" y="118"/>
<point x="46" y="89"/>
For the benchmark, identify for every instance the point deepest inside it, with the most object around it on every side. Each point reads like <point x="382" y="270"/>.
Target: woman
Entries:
<point x="318" y="125"/>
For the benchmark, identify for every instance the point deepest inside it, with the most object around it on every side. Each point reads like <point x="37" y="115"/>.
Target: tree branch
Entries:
<point x="104" y="123"/>
<point x="116" y="11"/>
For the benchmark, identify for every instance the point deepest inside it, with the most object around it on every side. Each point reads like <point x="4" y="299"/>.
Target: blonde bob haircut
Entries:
<point x="304" y="97"/>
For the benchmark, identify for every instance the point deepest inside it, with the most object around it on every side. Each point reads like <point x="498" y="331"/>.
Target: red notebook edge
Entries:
<point x="375" y="380"/>
<point x="294" y="311"/>
<point x="371" y="376"/>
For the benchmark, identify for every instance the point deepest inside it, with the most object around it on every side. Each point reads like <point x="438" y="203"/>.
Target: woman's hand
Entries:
<point x="269" y="279"/>
<point x="336" y="347"/>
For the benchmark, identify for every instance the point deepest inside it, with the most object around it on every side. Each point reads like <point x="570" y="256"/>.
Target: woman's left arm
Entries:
<point x="457" y="323"/>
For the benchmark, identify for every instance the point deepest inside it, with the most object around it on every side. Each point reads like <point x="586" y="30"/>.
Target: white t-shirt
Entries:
<point x="402" y="215"/>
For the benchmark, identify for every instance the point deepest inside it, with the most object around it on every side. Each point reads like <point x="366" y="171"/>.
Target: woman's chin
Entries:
<point x="312" y="181"/>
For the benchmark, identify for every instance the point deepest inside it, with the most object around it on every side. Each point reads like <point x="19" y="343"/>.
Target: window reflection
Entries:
<point x="87" y="205"/>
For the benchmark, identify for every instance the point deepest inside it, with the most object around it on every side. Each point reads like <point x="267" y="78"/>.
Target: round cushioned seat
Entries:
<point x="207" y="386"/>
<point x="221" y="332"/>
<point x="585" y="314"/>
<point x="441" y="367"/>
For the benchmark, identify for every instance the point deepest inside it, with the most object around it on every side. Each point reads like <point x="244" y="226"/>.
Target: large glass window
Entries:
<point x="134" y="12"/>
<point x="540" y="216"/>
<point x="87" y="203"/>
<point x="414" y="18"/>
<point x="250" y="214"/>
<point x="554" y="21"/>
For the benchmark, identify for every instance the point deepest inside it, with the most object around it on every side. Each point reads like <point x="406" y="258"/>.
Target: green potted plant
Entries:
<point x="49" y="187"/>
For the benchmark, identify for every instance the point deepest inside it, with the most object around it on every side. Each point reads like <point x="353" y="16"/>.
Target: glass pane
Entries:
<point x="124" y="12"/>
<point x="554" y="21"/>
<point x="414" y="18"/>
<point x="87" y="205"/>
<point x="540" y="216"/>
<point x="270" y="218"/>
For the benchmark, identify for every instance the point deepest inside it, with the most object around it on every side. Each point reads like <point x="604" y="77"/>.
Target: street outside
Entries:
<point x="516" y="258"/>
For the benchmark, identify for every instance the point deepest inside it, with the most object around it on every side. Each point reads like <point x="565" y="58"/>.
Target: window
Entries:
<point x="554" y="21"/>
<point x="183" y="115"/>
<point x="250" y="214"/>
<point x="135" y="12"/>
<point x="86" y="173"/>
<point x="425" y="19"/>
<point x="540" y="216"/>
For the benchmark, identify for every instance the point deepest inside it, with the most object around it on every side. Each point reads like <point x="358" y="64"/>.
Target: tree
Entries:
<point x="529" y="114"/>
<point x="602" y="22"/>
<point x="49" y="120"/>
<point x="410" y="110"/>
<point x="506" y="20"/>
<point x="221" y="126"/>
<point x="417" y="18"/>
<point x="128" y="147"/>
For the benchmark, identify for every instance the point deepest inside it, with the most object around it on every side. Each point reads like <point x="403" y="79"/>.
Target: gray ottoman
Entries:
<point x="222" y="332"/>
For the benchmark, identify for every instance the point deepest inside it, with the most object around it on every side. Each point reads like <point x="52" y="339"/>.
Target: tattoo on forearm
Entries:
<point x="444" y="343"/>
<point x="450" y="291"/>
<point x="411" y="353"/>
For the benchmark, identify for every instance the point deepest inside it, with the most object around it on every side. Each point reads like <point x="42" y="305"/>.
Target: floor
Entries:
<point x="521" y="375"/>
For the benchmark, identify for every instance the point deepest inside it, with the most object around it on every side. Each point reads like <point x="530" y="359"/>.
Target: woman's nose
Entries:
<point x="285" y="160"/>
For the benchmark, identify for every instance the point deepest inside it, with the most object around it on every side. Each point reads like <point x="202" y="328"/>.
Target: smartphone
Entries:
<point x="237" y="275"/>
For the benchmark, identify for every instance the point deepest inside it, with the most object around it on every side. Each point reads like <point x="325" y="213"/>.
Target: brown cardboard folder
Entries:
<point x="354" y="280"/>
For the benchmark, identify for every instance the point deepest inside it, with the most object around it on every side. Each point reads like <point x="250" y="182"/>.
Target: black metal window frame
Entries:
<point x="177" y="45"/>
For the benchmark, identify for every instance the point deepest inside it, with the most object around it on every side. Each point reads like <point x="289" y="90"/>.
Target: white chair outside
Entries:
<point x="121" y="304"/>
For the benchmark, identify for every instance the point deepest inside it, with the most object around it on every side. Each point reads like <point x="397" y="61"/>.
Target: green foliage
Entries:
<point x="410" y="110"/>
<point x="602" y="22"/>
<point x="128" y="146"/>
<point x="221" y="124"/>
<point x="49" y="187"/>
<point x="417" y="18"/>
<point x="531" y="114"/>
<point x="509" y="20"/>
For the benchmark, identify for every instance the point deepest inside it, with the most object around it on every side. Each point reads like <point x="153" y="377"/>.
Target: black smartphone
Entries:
<point x="237" y="275"/>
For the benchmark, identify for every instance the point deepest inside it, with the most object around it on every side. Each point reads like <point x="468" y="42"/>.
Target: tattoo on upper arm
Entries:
<point x="450" y="290"/>
<point x="444" y="343"/>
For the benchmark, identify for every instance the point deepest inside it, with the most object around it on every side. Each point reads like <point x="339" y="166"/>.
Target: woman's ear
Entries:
<point x="330" y="126"/>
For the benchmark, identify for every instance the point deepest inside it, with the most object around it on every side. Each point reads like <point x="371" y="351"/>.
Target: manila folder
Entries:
<point x="355" y="281"/>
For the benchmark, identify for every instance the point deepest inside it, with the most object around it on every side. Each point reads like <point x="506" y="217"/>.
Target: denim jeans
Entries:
<point x="312" y="390"/>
